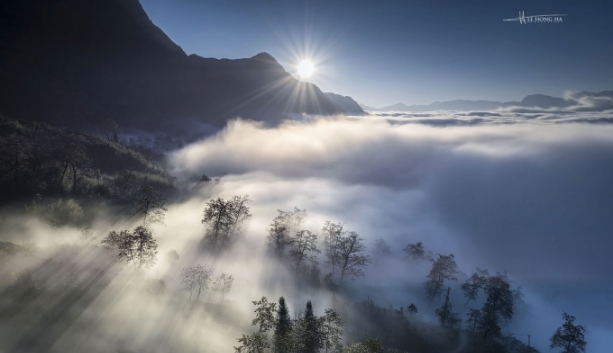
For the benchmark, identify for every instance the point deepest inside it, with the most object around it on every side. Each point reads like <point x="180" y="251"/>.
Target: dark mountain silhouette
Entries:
<point x="345" y="104"/>
<point x="77" y="62"/>
<point x="531" y="101"/>
<point x="544" y="101"/>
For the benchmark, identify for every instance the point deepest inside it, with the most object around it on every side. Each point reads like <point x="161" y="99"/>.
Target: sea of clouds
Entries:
<point x="526" y="192"/>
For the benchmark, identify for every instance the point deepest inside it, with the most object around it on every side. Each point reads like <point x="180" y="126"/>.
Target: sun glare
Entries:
<point x="305" y="68"/>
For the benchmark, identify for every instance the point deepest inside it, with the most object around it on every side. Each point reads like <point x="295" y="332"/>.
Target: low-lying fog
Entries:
<point x="514" y="193"/>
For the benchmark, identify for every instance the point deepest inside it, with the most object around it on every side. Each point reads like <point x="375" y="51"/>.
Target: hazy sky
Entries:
<point x="411" y="51"/>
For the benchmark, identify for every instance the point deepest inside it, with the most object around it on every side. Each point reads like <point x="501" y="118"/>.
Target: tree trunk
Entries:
<point x="63" y="174"/>
<point x="74" y="178"/>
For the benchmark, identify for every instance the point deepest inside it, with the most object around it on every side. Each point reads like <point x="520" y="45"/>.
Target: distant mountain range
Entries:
<point x="78" y="62"/>
<point x="531" y="101"/>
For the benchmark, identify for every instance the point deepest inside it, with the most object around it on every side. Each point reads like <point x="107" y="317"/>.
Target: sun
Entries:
<point x="305" y="68"/>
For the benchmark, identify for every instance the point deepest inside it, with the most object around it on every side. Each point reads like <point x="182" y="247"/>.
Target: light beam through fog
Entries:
<point x="527" y="198"/>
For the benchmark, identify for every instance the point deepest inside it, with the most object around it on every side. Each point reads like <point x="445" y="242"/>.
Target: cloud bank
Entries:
<point x="527" y="193"/>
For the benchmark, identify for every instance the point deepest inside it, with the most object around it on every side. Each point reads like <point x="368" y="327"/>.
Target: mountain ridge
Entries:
<point x="76" y="63"/>
<point x="529" y="101"/>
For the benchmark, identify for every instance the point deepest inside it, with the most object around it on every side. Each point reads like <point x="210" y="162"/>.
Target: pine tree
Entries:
<point x="283" y="328"/>
<point x="312" y="335"/>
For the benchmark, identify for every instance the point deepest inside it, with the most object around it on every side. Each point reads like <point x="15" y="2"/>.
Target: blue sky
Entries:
<point x="411" y="51"/>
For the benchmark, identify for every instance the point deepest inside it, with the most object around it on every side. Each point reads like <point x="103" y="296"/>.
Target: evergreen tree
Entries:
<point x="283" y="327"/>
<point x="312" y="334"/>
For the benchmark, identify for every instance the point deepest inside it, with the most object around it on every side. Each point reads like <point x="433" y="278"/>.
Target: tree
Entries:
<point x="351" y="258"/>
<point x="256" y="342"/>
<point x="145" y="247"/>
<point x="197" y="277"/>
<point x="412" y="309"/>
<point x="373" y="345"/>
<point x="569" y="337"/>
<point x="381" y="248"/>
<point x="283" y="328"/>
<point x="332" y="331"/>
<point x="172" y="256"/>
<point x="264" y="315"/>
<point x="498" y="307"/>
<point x="138" y="247"/>
<point x="312" y="334"/>
<point x="281" y="228"/>
<point x="475" y="283"/>
<point x="72" y="154"/>
<point x="223" y="284"/>
<point x="445" y="314"/>
<point x="150" y="204"/>
<point x="415" y="251"/>
<point x="225" y="218"/>
<point x="368" y="346"/>
<point x="443" y="269"/>
<point x="332" y="233"/>
<point x="473" y="318"/>
<point x="121" y="243"/>
<point x="304" y="244"/>
<point x="111" y="129"/>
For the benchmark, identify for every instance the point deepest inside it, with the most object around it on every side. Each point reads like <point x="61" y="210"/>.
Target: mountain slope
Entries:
<point x="345" y="104"/>
<point x="76" y="62"/>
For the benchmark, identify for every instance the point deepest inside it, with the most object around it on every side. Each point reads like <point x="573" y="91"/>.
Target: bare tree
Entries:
<point x="352" y="260"/>
<point x="222" y="284"/>
<point x="475" y="283"/>
<point x="332" y="331"/>
<point x="333" y="233"/>
<point x="443" y="269"/>
<point x="281" y="230"/>
<point x="150" y="205"/>
<point x="196" y="278"/>
<point x="304" y="244"/>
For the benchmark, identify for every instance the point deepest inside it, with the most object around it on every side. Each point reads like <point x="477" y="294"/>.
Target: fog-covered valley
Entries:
<point x="527" y="201"/>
